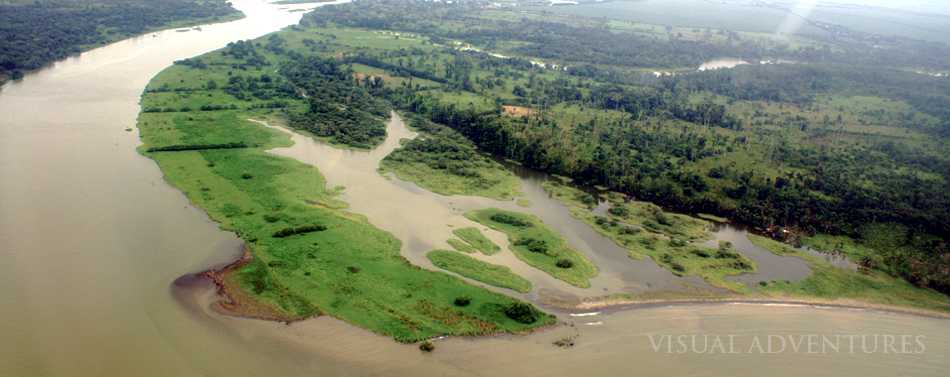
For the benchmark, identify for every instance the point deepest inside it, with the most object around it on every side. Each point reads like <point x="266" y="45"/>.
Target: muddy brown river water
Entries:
<point x="94" y="244"/>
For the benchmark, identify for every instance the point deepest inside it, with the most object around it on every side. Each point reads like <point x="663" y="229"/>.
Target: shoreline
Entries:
<point x="622" y="304"/>
<point x="232" y="301"/>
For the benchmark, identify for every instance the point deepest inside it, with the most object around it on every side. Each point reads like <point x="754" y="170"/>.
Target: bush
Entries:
<point x="505" y="218"/>
<point x="700" y="253"/>
<point x="247" y="176"/>
<point x="620" y="211"/>
<point x="534" y="245"/>
<point x="353" y="269"/>
<point x="427" y="346"/>
<point x="287" y="232"/>
<point x="677" y="267"/>
<point x="564" y="263"/>
<point x="196" y="147"/>
<point x="462" y="301"/>
<point x="629" y="230"/>
<point x="522" y="313"/>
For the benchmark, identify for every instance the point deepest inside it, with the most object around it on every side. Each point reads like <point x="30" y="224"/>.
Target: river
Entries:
<point x="93" y="239"/>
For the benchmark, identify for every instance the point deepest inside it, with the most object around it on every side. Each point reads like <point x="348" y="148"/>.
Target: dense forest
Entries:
<point x="834" y="143"/>
<point x="36" y="32"/>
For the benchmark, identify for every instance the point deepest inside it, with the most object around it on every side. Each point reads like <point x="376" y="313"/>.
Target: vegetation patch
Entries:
<point x="476" y="239"/>
<point x="460" y="245"/>
<point x="445" y="162"/>
<point x="537" y="245"/>
<point x="491" y="274"/>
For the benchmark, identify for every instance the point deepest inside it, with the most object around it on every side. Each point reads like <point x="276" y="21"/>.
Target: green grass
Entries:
<point x="475" y="238"/>
<point x="491" y="274"/>
<point x="539" y="246"/>
<point x="830" y="282"/>
<point x="350" y="270"/>
<point x="460" y="245"/>
<point x="645" y="230"/>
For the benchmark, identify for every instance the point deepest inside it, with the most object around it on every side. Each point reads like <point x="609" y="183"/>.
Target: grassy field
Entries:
<point x="539" y="246"/>
<point x="310" y="256"/>
<point x="491" y="274"/>
<point x="670" y="239"/>
<point x="460" y="245"/>
<point x="830" y="282"/>
<point x="476" y="239"/>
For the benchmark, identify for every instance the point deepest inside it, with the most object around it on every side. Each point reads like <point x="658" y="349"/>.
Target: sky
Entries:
<point x="927" y="6"/>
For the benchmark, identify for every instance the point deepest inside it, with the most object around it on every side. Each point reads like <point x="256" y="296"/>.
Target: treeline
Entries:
<point x="590" y="42"/>
<point x="555" y="40"/>
<point x="35" y="33"/>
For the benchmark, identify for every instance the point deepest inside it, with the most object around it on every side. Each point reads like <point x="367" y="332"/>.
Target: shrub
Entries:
<point x="534" y="245"/>
<point x="353" y="269"/>
<point x="287" y="232"/>
<point x="196" y="147"/>
<point x="247" y="176"/>
<point x="663" y="218"/>
<point x="726" y="254"/>
<point x="522" y="313"/>
<point x="462" y="301"/>
<point x="505" y="218"/>
<point x="629" y="230"/>
<point x="564" y="263"/>
<point x="700" y="253"/>
<point x="620" y="211"/>
<point x="427" y="346"/>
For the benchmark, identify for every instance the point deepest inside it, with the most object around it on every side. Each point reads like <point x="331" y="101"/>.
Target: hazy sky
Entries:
<point x="940" y="6"/>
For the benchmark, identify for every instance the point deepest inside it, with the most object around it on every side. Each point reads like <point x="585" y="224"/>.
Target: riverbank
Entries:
<point x="618" y="304"/>
<point x="234" y="299"/>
